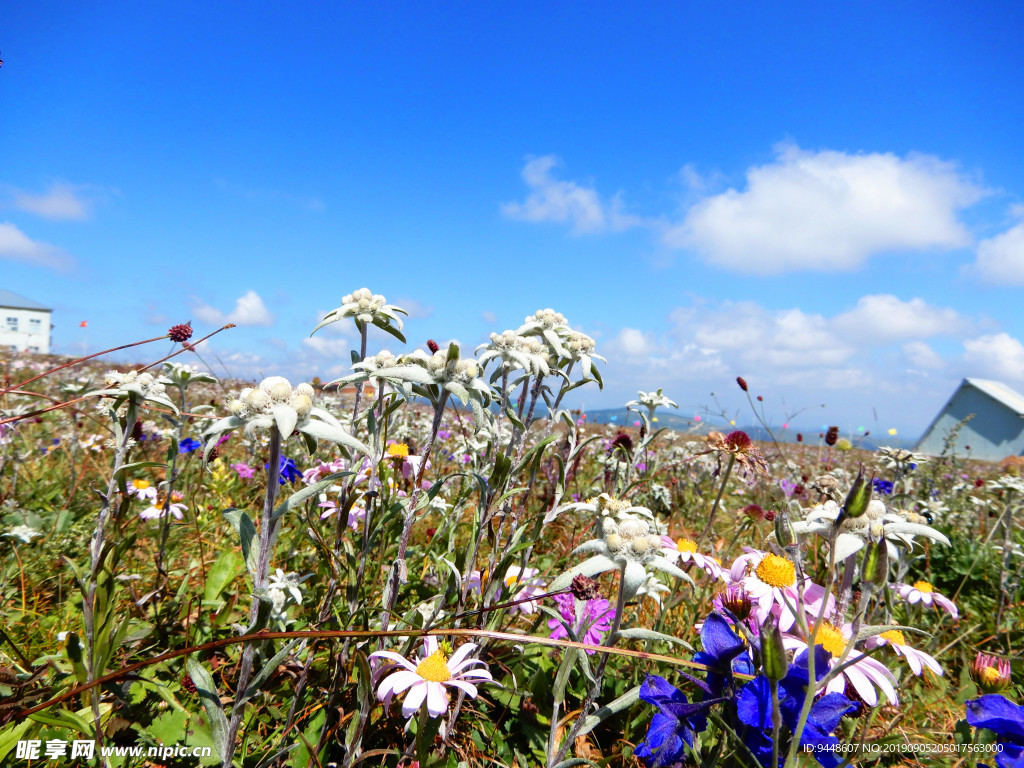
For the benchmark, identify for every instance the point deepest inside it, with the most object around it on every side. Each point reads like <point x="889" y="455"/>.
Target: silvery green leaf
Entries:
<point x="385" y="326"/>
<point x="286" y="418"/>
<point x="303" y="495"/>
<point x="246" y="530"/>
<point x="327" y="416"/>
<point x="556" y="343"/>
<point x="633" y="577"/>
<point x="594" y="545"/>
<point x="916" y="529"/>
<point x="590" y="568"/>
<point x="624" y="702"/>
<point x="664" y="565"/>
<point x="331" y="317"/>
<point x="258" y="422"/>
<point x="211" y="703"/>
<point x="411" y="373"/>
<point x="870" y="630"/>
<point x="458" y="390"/>
<point x="847" y="544"/>
<point x="322" y="431"/>
<point x="265" y="672"/>
<point x="640" y="633"/>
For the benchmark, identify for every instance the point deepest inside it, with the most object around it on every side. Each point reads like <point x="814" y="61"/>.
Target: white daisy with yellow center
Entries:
<point x="426" y="679"/>
<point x="917" y="659"/>
<point x="923" y="592"/>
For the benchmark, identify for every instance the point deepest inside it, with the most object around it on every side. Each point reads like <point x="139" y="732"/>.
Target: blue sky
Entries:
<point x="825" y="199"/>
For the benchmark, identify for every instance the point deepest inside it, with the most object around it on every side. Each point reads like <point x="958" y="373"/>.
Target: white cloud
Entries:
<point x="17" y="246"/>
<point x="1001" y="258"/>
<point x="327" y="347"/>
<point x="249" y="311"/>
<point x="998" y="355"/>
<point x="630" y="342"/>
<point x="921" y="355"/>
<point x="60" y="201"/>
<point x="883" y="318"/>
<point x="489" y="317"/>
<point x="566" y="202"/>
<point x="828" y="211"/>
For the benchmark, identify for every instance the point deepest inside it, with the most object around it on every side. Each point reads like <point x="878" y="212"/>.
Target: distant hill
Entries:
<point x="674" y="421"/>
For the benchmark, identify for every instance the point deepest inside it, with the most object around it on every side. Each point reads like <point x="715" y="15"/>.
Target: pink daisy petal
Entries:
<point x="437" y="699"/>
<point x="396" y="683"/>
<point x="414" y="698"/>
<point x="461" y="653"/>
<point x="469" y="688"/>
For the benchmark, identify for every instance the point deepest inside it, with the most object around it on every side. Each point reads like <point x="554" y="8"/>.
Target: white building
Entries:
<point x="24" y="324"/>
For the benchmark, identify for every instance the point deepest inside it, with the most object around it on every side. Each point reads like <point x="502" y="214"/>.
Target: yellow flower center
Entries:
<point x="923" y="586"/>
<point x="894" y="636"/>
<point x="398" y="450"/>
<point x="831" y="639"/>
<point x="141" y="485"/>
<point x="434" y="668"/>
<point x="776" y="571"/>
<point x="685" y="545"/>
<point x="990" y="677"/>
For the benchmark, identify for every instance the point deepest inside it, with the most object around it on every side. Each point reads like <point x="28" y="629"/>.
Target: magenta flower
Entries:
<point x="596" y="620"/>
<point x="244" y="471"/>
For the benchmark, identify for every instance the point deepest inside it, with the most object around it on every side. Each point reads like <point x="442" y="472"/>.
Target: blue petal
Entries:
<point x="664" y="743"/>
<point x="719" y="639"/>
<point x="754" y="704"/>
<point x="997" y="713"/>
<point x="829" y="710"/>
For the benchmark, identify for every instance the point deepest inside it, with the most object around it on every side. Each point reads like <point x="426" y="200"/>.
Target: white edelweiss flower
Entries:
<point x="515" y="352"/>
<point x="275" y="402"/>
<point x="134" y="386"/>
<point x="550" y="325"/>
<point x="877" y="522"/>
<point x="367" y="308"/>
<point x="627" y="544"/>
<point x="23" y="533"/>
<point x="283" y="586"/>
<point x="651" y="401"/>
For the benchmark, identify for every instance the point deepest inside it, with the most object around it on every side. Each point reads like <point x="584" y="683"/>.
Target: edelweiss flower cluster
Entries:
<point x="516" y="351"/>
<point x="135" y="386"/>
<point x="259" y="406"/>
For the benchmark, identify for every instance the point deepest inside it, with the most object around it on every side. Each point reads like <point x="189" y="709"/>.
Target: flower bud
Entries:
<point x="832" y="436"/>
<point x="742" y="383"/>
<point x="302" y="404"/>
<point x="875" y="569"/>
<point x="784" y="533"/>
<point x="858" y="498"/>
<point x="773" y="652"/>
<point x="990" y="674"/>
<point x="737" y="600"/>
<point x="585" y="588"/>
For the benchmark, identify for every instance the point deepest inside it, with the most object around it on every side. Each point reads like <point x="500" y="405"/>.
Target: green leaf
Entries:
<point x="324" y="431"/>
<point x="221" y="574"/>
<point x="625" y="701"/>
<point x="127" y="468"/>
<point x="62" y="718"/>
<point x="300" y="497"/>
<point x="265" y="671"/>
<point x="10" y="736"/>
<point x="639" y="633"/>
<point x="246" y="530"/>
<point x="211" y="703"/>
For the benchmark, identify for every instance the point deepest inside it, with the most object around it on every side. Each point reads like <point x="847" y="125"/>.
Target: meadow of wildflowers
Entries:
<point x="432" y="561"/>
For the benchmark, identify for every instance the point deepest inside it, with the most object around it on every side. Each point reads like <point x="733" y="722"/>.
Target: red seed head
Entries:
<point x="742" y="382"/>
<point x="832" y="436"/>
<point x="180" y="333"/>
<point x="738" y="440"/>
<point x="432" y="345"/>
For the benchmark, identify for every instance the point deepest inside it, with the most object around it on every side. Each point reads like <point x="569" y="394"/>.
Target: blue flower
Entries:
<point x="678" y="720"/>
<point x="672" y="727"/>
<point x="286" y="470"/>
<point x="188" y="445"/>
<point x="881" y="486"/>
<point x="999" y="714"/>
<point x="754" y="709"/>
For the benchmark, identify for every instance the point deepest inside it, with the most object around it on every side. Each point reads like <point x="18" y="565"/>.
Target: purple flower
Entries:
<point x="881" y="486"/>
<point x="443" y="434"/>
<point x="596" y="621"/>
<point x="787" y="487"/>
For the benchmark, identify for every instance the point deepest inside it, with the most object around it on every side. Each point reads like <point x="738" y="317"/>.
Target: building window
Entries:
<point x="35" y="325"/>
<point x="34" y="349"/>
<point x="12" y="324"/>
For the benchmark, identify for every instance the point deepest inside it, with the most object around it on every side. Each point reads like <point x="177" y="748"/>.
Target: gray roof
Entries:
<point x="999" y="391"/>
<point x="14" y="301"/>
